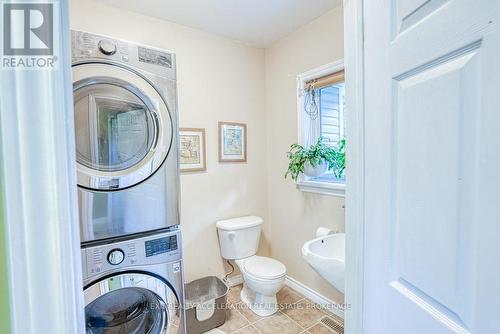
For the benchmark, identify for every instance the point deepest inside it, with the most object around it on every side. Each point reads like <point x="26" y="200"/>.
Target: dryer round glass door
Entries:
<point x="123" y="128"/>
<point x="131" y="303"/>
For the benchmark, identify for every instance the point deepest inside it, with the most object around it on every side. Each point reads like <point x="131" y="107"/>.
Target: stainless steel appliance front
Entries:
<point x="126" y="137"/>
<point x="135" y="285"/>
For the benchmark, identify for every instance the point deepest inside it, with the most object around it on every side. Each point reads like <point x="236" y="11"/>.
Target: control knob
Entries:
<point x="116" y="256"/>
<point x="107" y="47"/>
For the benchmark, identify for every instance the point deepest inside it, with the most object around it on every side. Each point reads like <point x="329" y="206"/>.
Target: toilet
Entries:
<point x="263" y="277"/>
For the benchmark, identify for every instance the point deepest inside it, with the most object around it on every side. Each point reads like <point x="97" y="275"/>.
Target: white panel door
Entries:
<point x="432" y="167"/>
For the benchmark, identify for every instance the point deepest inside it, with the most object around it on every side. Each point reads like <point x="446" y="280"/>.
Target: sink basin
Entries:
<point x="326" y="255"/>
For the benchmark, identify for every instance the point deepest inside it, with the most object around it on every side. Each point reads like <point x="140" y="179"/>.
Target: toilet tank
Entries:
<point x="239" y="237"/>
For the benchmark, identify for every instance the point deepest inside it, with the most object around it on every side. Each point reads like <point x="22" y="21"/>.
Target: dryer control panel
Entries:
<point x="151" y="249"/>
<point x="86" y="46"/>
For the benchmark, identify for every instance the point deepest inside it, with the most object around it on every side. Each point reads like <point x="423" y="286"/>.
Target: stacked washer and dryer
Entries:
<point x="125" y="118"/>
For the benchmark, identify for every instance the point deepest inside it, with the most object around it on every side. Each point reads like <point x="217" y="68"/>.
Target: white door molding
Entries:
<point x="39" y="186"/>
<point x="354" y="72"/>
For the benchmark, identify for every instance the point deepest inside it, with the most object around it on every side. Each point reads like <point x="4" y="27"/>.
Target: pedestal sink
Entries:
<point x="326" y="255"/>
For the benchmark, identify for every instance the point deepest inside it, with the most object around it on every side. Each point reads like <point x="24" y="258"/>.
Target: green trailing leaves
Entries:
<point x="315" y="155"/>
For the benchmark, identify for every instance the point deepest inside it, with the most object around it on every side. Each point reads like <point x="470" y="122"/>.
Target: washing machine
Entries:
<point x="134" y="285"/>
<point x="125" y="118"/>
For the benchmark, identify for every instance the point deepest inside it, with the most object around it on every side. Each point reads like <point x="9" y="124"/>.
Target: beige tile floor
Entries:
<point x="297" y="315"/>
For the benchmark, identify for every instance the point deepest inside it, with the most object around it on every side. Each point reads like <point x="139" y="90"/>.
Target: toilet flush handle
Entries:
<point x="231" y="235"/>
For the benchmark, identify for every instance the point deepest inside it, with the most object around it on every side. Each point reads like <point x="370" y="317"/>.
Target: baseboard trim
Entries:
<point x="234" y="280"/>
<point x="303" y="289"/>
<point x="315" y="296"/>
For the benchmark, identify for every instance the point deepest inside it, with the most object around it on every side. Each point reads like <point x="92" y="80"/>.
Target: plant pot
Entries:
<point x="315" y="171"/>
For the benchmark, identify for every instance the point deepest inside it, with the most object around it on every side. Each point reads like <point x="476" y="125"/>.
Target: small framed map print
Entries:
<point x="232" y="142"/>
<point x="192" y="150"/>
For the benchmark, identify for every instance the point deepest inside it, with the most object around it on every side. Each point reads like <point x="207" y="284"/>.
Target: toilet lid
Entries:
<point x="265" y="267"/>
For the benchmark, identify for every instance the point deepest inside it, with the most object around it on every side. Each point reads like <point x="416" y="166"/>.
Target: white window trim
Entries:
<point x="323" y="188"/>
<point x="303" y="184"/>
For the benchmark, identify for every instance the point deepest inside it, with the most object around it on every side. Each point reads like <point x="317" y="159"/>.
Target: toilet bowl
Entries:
<point x="263" y="277"/>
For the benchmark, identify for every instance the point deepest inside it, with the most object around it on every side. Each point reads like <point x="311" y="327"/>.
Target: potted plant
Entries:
<point x="316" y="160"/>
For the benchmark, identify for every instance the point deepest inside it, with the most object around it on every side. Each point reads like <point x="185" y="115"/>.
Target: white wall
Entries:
<point x="294" y="216"/>
<point x="218" y="80"/>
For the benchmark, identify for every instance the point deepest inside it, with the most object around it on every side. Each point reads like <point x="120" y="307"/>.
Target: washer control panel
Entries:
<point x="161" y="245"/>
<point x="140" y="251"/>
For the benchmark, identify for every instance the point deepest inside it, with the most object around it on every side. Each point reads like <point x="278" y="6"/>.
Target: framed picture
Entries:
<point x="232" y="142"/>
<point x="192" y="151"/>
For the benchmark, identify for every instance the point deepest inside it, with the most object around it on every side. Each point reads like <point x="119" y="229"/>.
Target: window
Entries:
<point x="321" y="108"/>
<point x="331" y="105"/>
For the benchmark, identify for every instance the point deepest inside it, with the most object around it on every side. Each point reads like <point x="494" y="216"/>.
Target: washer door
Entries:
<point x="131" y="303"/>
<point x="123" y="127"/>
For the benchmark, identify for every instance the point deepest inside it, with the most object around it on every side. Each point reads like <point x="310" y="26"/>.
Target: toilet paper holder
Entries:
<point x="323" y="232"/>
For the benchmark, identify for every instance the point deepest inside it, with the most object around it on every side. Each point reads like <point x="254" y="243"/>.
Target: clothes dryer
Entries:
<point x="125" y="118"/>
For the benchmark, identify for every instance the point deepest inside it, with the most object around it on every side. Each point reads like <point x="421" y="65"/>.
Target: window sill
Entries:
<point x="323" y="188"/>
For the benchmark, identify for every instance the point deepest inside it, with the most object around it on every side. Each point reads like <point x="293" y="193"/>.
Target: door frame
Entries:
<point x="41" y="240"/>
<point x="355" y="189"/>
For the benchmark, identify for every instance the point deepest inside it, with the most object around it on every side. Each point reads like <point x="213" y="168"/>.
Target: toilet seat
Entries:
<point x="264" y="267"/>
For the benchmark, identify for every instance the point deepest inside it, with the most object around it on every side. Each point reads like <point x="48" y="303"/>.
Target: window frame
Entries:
<point x="304" y="183"/>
